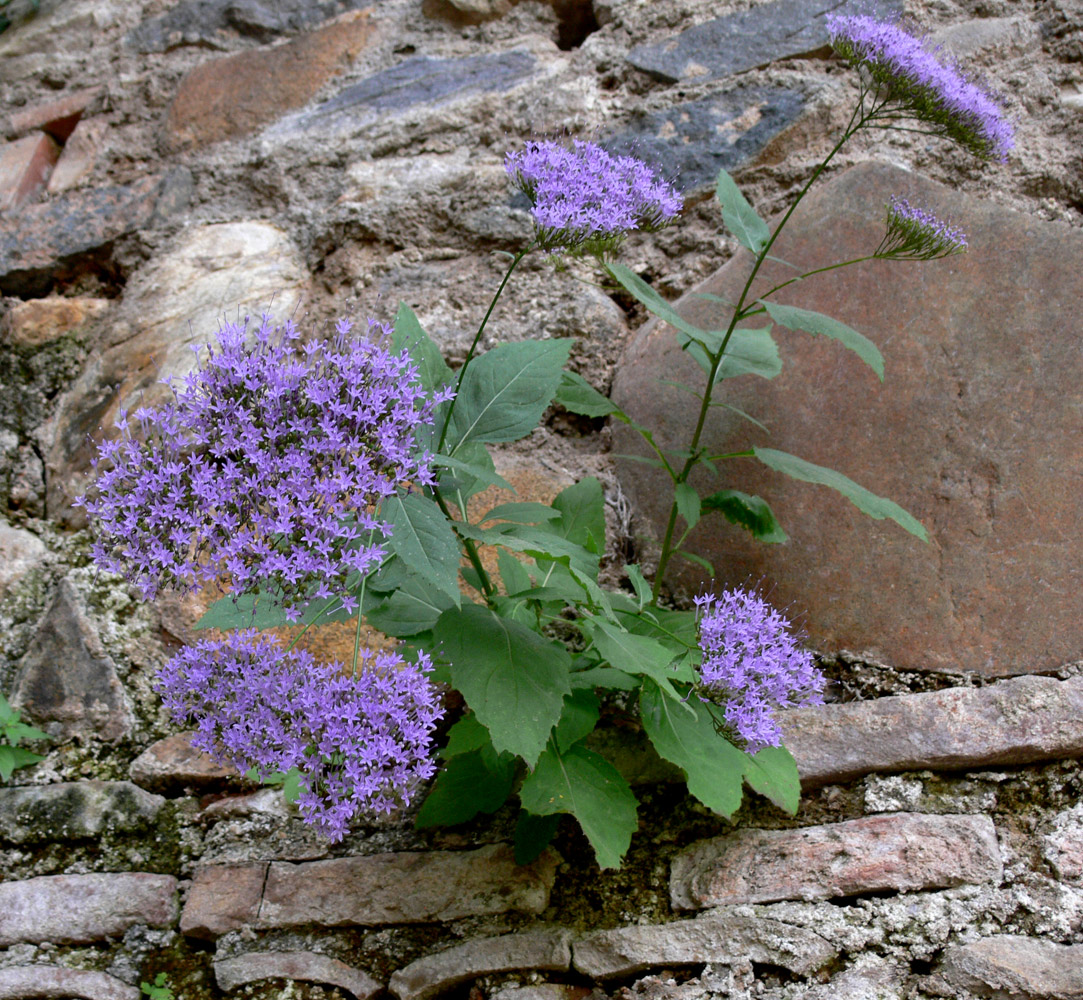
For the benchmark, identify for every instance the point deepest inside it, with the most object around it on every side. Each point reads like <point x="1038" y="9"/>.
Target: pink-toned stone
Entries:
<point x="37" y="322"/>
<point x="971" y="431"/>
<point x="78" y="909"/>
<point x="59" y="118"/>
<point x="173" y="762"/>
<point x="25" y="165"/>
<point x="223" y="898"/>
<point x="1063" y="845"/>
<point x="79" y="155"/>
<point x="48" y="982"/>
<point x="306" y="966"/>
<point x="1012" y="967"/>
<point x="903" y="852"/>
<point x="405" y="888"/>
<point x="1015" y="721"/>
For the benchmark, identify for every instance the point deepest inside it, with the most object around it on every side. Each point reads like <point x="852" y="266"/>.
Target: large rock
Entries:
<point x="173" y="763"/>
<point x="307" y="966"/>
<point x="975" y="346"/>
<point x="71" y="810"/>
<point x="1011" y="966"/>
<point x="49" y="982"/>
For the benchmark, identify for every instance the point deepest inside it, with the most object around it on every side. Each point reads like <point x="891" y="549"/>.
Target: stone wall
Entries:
<point x="167" y="162"/>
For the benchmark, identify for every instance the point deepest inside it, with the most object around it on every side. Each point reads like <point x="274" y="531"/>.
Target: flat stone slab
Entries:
<point x="545" y="950"/>
<point x="79" y="909"/>
<point x="1010" y="965"/>
<point x="174" y="763"/>
<point x="1015" y="721"/>
<point x="975" y="345"/>
<point x="223" y="898"/>
<point x="719" y="937"/>
<point x="903" y="852"/>
<point x="745" y="40"/>
<point x="306" y="966"/>
<point x="70" y="810"/>
<point x="48" y="982"/>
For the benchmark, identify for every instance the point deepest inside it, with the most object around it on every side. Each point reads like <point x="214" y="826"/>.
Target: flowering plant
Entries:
<point x="332" y="481"/>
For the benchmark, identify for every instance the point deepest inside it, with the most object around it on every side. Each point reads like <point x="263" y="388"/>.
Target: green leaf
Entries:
<point x="749" y="352"/>
<point x="476" y="467"/>
<point x="13" y="757"/>
<point x="291" y="785"/>
<point x="817" y="323"/>
<point x="469" y="783"/>
<point x="740" y="217"/>
<point x="521" y="513"/>
<point x="634" y="284"/>
<point x="16" y="731"/>
<point x="513" y="679"/>
<point x="688" y="505"/>
<point x="8" y="714"/>
<point x="748" y="512"/>
<point x="773" y="773"/>
<point x="741" y="413"/>
<point x="533" y="835"/>
<point x="868" y="503"/>
<point x="541" y="542"/>
<point x="514" y="574"/>
<point x="577" y="395"/>
<point x="634" y="654"/>
<point x="586" y="785"/>
<point x="704" y="564"/>
<point x="639" y="584"/>
<point x="582" y="508"/>
<point x="578" y="719"/>
<point x="505" y="391"/>
<point x="422" y="538"/>
<point x="713" y="767"/>
<point x="603" y="677"/>
<point x="465" y="736"/>
<point x="409" y="335"/>
<point x="411" y="609"/>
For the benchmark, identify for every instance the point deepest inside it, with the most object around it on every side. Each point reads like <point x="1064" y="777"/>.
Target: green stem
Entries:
<point x="487" y="587"/>
<point x="360" y="617"/>
<point x="807" y="274"/>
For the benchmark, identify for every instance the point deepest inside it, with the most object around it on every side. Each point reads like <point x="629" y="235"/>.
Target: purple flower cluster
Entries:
<point x="751" y="666"/>
<point x="361" y="741"/>
<point x="916" y="234"/>
<point x="585" y="200"/>
<point x="267" y="466"/>
<point x="922" y="84"/>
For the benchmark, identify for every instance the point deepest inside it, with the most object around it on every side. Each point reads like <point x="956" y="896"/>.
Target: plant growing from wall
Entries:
<point x="12" y="733"/>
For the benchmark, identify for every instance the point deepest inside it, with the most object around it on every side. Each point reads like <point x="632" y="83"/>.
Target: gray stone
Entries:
<point x="66" y="680"/>
<point x="74" y="809"/>
<point x="718" y="937"/>
<point x="745" y="40"/>
<point x="79" y="909"/>
<point x="1011" y="967"/>
<point x="20" y="551"/>
<point x="47" y="982"/>
<point x="690" y="142"/>
<point x="990" y="592"/>
<point x="902" y="852"/>
<point x="173" y="763"/>
<point x="1015" y="721"/>
<point x="869" y="978"/>
<point x="997" y="37"/>
<point x="306" y="966"/>
<point x="1063" y="845"/>
<point x="545" y="950"/>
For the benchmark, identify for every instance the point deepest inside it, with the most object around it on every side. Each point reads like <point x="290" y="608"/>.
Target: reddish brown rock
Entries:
<point x="230" y="97"/>
<point x="976" y="346"/>
<point x="306" y="966"/>
<point x="37" y="322"/>
<point x="78" y="909"/>
<point x="79" y="155"/>
<point x="47" y="982"/>
<point x="1015" y="721"/>
<point x="174" y="763"/>
<point x="25" y="165"/>
<point x="903" y="852"/>
<point x="223" y="898"/>
<point x="1015" y="967"/>
<point x="58" y="118"/>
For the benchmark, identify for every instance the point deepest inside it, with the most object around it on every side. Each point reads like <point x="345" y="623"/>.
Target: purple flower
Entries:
<point x="920" y="83"/>
<point x="752" y="666"/>
<point x="267" y="465"/>
<point x="915" y="234"/>
<point x="585" y="200"/>
<point x="362" y="742"/>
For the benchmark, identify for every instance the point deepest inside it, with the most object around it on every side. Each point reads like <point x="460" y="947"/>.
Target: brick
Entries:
<point x="79" y="909"/>
<point x="1017" y="721"/>
<point x="47" y="982"/>
<point x="544" y="950"/>
<point x="58" y="118"/>
<point x="233" y="96"/>
<point x="903" y="852"/>
<point x="305" y="966"/>
<point x="173" y="763"/>
<point x="1009" y="965"/>
<point x="70" y="810"/>
<point x="25" y="165"/>
<point x="223" y="898"/>
<point x="79" y="155"/>
<point x="37" y="322"/>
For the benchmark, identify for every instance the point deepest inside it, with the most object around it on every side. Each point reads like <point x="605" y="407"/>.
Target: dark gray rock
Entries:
<point x="70" y="810"/>
<point x="690" y="142"/>
<point x="66" y="681"/>
<point x="745" y="40"/>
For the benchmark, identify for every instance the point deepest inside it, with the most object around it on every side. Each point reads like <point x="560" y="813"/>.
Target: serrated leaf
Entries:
<point x="739" y="216"/>
<point x="577" y="395"/>
<point x="13" y="757"/>
<point x="817" y="323"/>
<point x="411" y="609"/>
<point x="603" y="677"/>
<point x="513" y="679"/>
<point x="466" y="785"/>
<point x="639" y="584"/>
<point x="476" y="469"/>
<point x="16" y="731"/>
<point x="422" y="538"/>
<point x="773" y="773"/>
<point x="582" y="509"/>
<point x="688" y="505"/>
<point x="408" y="335"/>
<point x="749" y="512"/>
<point x="466" y="735"/>
<point x="541" y="542"/>
<point x="521" y="513"/>
<point x="533" y="835"/>
<point x="514" y="574"/>
<point x="578" y="719"/>
<point x="586" y="785"/>
<point x="634" y="654"/>
<point x="865" y="501"/>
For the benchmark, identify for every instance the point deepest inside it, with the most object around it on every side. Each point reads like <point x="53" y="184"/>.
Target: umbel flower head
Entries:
<point x="915" y="234"/>
<point x="752" y="665"/>
<point x="584" y="200"/>
<point x="361" y="741"/>
<point x="919" y="82"/>
<point x="267" y="465"/>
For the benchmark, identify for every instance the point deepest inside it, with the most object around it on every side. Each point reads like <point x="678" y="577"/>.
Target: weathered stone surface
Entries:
<point x="37" y="322"/>
<point x="1063" y="845"/>
<point x="1015" y="721"/>
<point x="461" y="12"/>
<point x="174" y="763"/>
<point x="223" y="898"/>
<point x="233" y="96"/>
<point x="47" y="982"/>
<point x="542" y="991"/>
<point x="306" y="966"/>
<point x="903" y="852"/>
<point x="718" y="937"/>
<point x="869" y="978"/>
<point x="692" y="141"/>
<point x="985" y="478"/>
<point x="999" y="37"/>
<point x="25" y="165"/>
<point x="79" y="156"/>
<point x="73" y="809"/>
<point x="1011" y="967"/>
<point x="58" y="118"/>
<point x="537" y="949"/>
<point x="20" y="551"/>
<point x="78" y="909"/>
<point x="744" y="40"/>
<point x="405" y="888"/>
<point x="66" y="681"/>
